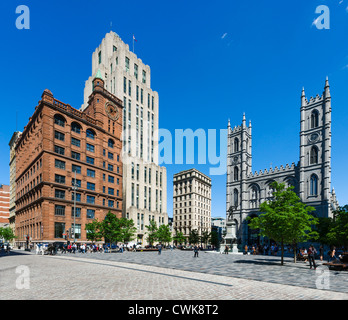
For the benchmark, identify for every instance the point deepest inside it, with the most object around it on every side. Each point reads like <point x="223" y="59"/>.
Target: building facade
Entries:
<point x="311" y="176"/>
<point x="68" y="167"/>
<point x="145" y="182"/>
<point x="191" y="202"/>
<point x="12" y="145"/>
<point x="4" y="205"/>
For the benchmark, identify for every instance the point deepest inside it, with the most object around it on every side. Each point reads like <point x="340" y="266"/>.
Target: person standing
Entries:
<point x="159" y="249"/>
<point x="195" y="251"/>
<point x="311" y="256"/>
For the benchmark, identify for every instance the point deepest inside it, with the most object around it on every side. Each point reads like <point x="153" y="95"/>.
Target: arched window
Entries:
<point x="314" y="119"/>
<point x="75" y="127"/>
<point x="59" y="120"/>
<point x="235" y="197"/>
<point x="236" y="145"/>
<point x="90" y="134"/>
<point x="313" y="185"/>
<point x="111" y="143"/>
<point x="236" y="174"/>
<point x="314" y="155"/>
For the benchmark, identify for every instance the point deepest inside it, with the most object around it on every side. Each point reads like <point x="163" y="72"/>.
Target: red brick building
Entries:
<point x="58" y="144"/>
<point x="4" y="205"/>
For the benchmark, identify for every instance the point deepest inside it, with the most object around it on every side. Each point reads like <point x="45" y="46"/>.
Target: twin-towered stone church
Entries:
<point x="311" y="176"/>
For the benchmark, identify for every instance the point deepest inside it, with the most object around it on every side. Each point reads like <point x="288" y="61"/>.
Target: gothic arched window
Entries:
<point x="314" y="155"/>
<point x="236" y="174"/>
<point x="236" y="145"/>
<point x="313" y="185"/>
<point x="235" y="197"/>
<point x="314" y="119"/>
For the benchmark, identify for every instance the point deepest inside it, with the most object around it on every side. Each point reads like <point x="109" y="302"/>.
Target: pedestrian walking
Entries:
<point x="332" y="255"/>
<point x="311" y="256"/>
<point x="245" y="249"/>
<point x="195" y="249"/>
<point x="159" y="249"/>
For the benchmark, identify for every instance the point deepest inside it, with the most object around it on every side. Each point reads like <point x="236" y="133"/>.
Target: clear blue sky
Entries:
<point x="210" y="61"/>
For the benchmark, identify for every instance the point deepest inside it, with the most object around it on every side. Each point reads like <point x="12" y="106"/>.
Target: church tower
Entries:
<point x="315" y="151"/>
<point x="238" y="164"/>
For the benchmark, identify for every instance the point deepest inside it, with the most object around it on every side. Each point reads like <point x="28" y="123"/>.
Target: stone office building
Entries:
<point x="62" y="147"/>
<point x="311" y="176"/>
<point x="145" y="182"/>
<point x="191" y="202"/>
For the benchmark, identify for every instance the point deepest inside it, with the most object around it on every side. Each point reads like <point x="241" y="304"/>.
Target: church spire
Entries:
<point x="327" y="88"/>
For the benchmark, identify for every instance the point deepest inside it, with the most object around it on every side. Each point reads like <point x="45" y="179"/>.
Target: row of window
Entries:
<point x="60" y="194"/>
<point x="90" y="160"/>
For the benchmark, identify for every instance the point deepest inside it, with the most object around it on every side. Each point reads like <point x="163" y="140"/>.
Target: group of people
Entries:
<point x="262" y="249"/>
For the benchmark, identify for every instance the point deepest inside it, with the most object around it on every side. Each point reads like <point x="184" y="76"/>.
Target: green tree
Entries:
<point x="93" y="231"/>
<point x="7" y="234"/>
<point x="127" y="230"/>
<point x="338" y="230"/>
<point x="205" y="237"/>
<point x="215" y="239"/>
<point x="151" y="232"/>
<point x="179" y="238"/>
<point x="164" y="234"/>
<point x="110" y="228"/>
<point x="285" y="219"/>
<point x="193" y="237"/>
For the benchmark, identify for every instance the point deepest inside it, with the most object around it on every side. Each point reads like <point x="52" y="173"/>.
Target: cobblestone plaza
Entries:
<point x="173" y="275"/>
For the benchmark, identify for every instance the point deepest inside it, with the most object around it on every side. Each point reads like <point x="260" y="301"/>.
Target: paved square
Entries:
<point x="173" y="275"/>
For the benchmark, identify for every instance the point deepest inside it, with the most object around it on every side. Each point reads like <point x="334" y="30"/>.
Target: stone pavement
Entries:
<point x="173" y="275"/>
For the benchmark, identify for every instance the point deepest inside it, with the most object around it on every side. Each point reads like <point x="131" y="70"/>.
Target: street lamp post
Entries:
<point x="74" y="187"/>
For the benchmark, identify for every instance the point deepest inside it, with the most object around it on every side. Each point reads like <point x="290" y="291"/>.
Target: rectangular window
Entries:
<point x="77" y="212"/>
<point x="59" y="210"/>
<point x="99" y="57"/>
<point x="91" y="199"/>
<point x="111" y="191"/>
<point x="124" y="85"/>
<point x="76" y="182"/>
<point x="59" y="229"/>
<point x="127" y="64"/>
<point x="90" y="173"/>
<point x="111" y="203"/>
<point x="90" y="147"/>
<point x="75" y="155"/>
<point x="75" y="168"/>
<point x="144" y="76"/>
<point x="77" y="231"/>
<point x="75" y="142"/>
<point x="60" y="194"/>
<point x="111" y="179"/>
<point x="91" y="186"/>
<point x="78" y="197"/>
<point x="59" y="164"/>
<point x="59" y="179"/>
<point x="90" y="214"/>
<point x="129" y="87"/>
<point x="110" y="156"/>
<point x="136" y="71"/>
<point x="59" y="136"/>
<point x="90" y="160"/>
<point x="59" y="150"/>
<point x="110" y="167"/>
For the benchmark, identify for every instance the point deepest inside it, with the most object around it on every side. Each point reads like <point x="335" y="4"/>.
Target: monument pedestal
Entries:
<point x="230" y="239"/>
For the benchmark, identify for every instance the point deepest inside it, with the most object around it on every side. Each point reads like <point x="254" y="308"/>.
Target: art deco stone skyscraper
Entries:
<point x="145" y="183"/>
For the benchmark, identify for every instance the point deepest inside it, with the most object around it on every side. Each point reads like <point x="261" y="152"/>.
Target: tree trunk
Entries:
<point x="282" y="248"/>
<point x="295" y="252"/>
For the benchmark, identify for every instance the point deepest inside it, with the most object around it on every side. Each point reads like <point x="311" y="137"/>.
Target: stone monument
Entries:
<point x="230" y="239"/>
